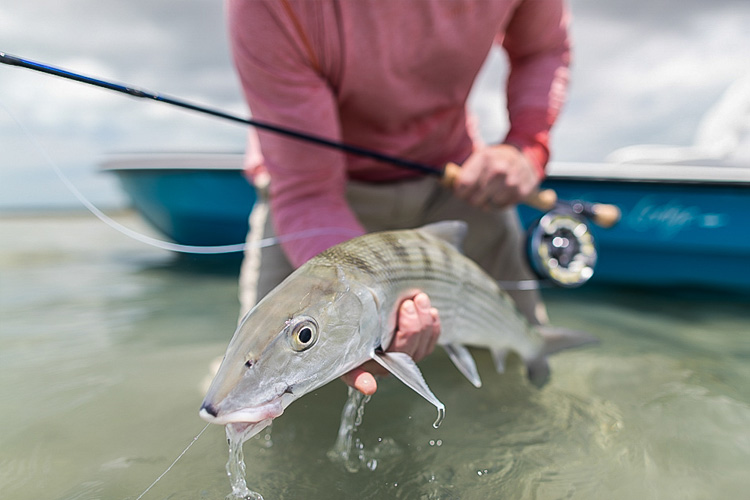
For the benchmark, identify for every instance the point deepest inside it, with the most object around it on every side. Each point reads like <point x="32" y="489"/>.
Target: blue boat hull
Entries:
<point x="681" y="226"/>
<point x="193" y="207"/>
<point x="671" y="234"/>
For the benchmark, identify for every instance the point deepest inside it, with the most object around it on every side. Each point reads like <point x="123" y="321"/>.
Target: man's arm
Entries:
<point x="308" y="182"/>
<point x="538" y="48"/>
<point x="282" y="87"/>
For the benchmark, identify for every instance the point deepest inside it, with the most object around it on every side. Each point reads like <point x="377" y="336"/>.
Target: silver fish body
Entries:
<point x="339" y="310"/>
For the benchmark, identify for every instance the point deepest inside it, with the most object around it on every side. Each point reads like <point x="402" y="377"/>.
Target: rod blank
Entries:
<point x="601" y="214"/>
<point x="146" y="94"/>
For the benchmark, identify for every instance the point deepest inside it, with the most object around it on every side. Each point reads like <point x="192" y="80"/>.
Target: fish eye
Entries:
<point x="303" y="333"/>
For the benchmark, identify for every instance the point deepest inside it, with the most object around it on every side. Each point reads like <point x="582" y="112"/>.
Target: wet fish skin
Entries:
<point x="262" y="370"/>
<point x="350" y="294"/>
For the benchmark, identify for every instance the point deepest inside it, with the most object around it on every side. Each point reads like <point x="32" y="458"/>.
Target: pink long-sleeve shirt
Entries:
<point x="387" y="75"/>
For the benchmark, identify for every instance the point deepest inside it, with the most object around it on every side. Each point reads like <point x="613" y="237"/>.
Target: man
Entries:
<point x="393" y="76"/>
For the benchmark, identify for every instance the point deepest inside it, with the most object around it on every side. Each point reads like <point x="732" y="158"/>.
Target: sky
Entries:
<point x="644" y="72"/>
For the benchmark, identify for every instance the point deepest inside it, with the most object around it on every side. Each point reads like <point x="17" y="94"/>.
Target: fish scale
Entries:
<point x="470" y="301"/>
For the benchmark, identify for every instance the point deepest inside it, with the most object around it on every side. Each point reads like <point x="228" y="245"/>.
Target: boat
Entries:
<point x="683" y="224"/>
<point x="200" y="199"/>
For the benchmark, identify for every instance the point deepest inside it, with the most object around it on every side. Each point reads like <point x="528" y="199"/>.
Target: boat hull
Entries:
<point x="681" y="225"/>
<point x="194" y="199"/>
<point x="670" y="234"/>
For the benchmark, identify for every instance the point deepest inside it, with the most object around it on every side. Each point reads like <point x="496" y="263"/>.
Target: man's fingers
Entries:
<point x="430" y="323"/>
<point x="408" y="326"/>
<point x="417" y="334"/>
<point x="422" y="305"/>
<point x="362" y="380"/>
<point x="436" y="326"/>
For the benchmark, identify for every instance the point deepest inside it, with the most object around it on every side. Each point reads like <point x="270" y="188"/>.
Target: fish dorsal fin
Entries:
<point x="465" y="363"/>
<point x="405" y="369"/>
<point x="451" y="231"/>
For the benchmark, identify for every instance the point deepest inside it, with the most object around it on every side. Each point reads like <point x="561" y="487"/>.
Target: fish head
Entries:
<point x="312" y="328"/>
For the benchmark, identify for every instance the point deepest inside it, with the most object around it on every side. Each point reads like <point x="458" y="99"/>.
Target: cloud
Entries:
<point x="175" y="47"/>
<point x="645" y="71"/>
<point x="656" y="15"/>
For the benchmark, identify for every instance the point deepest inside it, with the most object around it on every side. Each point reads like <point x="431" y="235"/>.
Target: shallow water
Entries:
<point x="105" y="347"/>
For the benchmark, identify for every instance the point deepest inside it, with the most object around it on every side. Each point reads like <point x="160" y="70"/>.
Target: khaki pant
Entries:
<point x="494" y="240"/>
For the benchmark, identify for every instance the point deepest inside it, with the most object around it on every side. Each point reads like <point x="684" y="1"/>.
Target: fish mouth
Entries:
<point x="250" y="415"/>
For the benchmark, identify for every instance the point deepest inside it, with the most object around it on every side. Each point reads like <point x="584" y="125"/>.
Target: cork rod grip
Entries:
<point x="542" y="200"/>
<point x="603" y="215"/>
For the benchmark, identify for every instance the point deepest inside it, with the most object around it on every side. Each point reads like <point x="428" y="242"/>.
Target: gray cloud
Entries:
<point x="175" y="47"/>
<point x="644" y="71"/>
<point x="660" y="15"/>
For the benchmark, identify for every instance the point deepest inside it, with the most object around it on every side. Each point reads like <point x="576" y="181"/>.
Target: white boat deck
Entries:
<point x="173" y="161"/>
<point x="679" y="173"/>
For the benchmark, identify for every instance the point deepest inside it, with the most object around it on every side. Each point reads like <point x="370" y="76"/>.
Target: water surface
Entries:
<point x="105" y="347"/>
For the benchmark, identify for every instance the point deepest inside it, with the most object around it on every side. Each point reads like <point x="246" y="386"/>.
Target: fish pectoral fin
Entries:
<point x="465" y="363"/>
<point x="499" y="356"/>
<point x="405" y="369"/>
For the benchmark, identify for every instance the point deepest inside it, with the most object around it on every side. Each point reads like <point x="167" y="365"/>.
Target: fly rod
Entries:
<point x="601" y="214"/>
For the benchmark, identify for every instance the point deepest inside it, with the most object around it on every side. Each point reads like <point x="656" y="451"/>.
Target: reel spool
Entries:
<point x="561" y="247"/>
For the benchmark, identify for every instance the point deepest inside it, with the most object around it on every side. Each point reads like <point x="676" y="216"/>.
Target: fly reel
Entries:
<point x="561" y="247"/>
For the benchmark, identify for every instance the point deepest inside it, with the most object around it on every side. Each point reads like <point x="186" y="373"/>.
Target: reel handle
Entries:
<point x="605" y="215"/>
<point x="602" y="214"/>
<point x="544" y="200"/>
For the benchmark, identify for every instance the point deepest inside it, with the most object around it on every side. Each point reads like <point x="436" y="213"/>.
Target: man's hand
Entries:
<point x="417" y="332"/>
<point x="496" y="177"/>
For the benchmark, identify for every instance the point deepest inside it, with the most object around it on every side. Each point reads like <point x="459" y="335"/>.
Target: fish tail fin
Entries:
<point x="558" y="338"/>
<point x="555" y="340"/>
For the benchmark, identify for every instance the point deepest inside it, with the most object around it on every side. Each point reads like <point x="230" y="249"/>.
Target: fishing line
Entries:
<point x="523" y="285"/>
<point x="155" y="242"/>
<point x="543" y="200"/>
<point x="173" y="463"/>
<point x="146" y="94"/>
<point x="197" y="249"/>
<point x="604" y="215"/>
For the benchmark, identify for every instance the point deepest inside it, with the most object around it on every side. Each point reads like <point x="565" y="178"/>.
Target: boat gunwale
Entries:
<point x="183" y="161"/>
<point x="631" y="173"/>
<point x="650" y="173"/>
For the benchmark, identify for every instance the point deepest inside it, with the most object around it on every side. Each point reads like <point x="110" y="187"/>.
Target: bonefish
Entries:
<point x="338" y="310"/>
